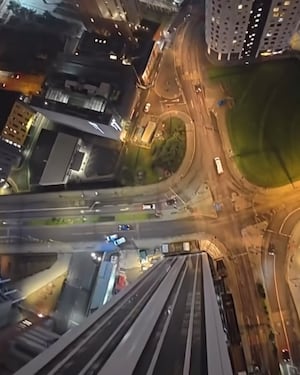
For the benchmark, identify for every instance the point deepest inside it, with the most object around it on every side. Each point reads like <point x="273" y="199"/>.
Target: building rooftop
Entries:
<point x="59" y="160"/>
<point x="183" y="334"/>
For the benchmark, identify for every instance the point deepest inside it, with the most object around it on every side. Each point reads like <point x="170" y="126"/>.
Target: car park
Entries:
<point x="148" y="206"/>
<point x="112" y="237"/>
<point x="122" y="227"/>
<point x="119" y="241"/>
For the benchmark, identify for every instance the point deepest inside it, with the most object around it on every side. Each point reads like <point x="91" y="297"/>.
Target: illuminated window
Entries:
<point x="276" y="9"/>
<point x="240" y="6"/>
<point x="286" y="3"/>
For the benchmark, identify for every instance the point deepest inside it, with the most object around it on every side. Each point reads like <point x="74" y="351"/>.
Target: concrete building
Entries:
<point x="59" y="161"/>
<point x="245" y="30"/>
<point x="116" y="10"/>
<point x="81" y="106"/>
<point x="165" y="6"/>
<point x="9" y="300"/>
<point x="182" y="334"/>
<point x="13" y="137"/>
<point x="18" y="124"/>
<point x="9" y="157"/>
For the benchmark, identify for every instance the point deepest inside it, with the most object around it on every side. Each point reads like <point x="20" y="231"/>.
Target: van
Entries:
<point x="218" y="164"/>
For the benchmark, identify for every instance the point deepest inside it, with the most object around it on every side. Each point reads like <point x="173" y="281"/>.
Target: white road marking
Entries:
<point x="42" y="209"/>
<point x="82" y="234"/>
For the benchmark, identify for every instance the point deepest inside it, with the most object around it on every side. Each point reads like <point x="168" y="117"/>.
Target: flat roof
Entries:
<point x="59" y="160"/>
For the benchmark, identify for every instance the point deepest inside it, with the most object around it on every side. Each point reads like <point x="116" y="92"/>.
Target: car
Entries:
<point x="271" y="250"/>
<point x="114" y="259"/>
<point x="124" y="227"/>
<point x="148" y="206"/>
<point x="285" y="354"/>
<point x="119" y="241"/>
<point x="112" y="237"/>
<point x="147" y="107"/>
<point x="218" y="165"/>
<point x="171" y="202"/>
<point x="198" y="88"/>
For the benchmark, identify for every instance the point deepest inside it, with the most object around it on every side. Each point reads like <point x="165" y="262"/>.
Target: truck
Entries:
<point x="175" y="247"/>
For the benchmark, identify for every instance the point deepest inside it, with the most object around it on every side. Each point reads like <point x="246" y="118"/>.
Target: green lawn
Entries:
<point x="138" y="159"/>
<point x="142" y="166"/>
<point x="264" y="123"/>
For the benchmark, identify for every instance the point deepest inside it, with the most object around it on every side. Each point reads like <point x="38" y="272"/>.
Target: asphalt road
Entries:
<point x="284" y="316"/>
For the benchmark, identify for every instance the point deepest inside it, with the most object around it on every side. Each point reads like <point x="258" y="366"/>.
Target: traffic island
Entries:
<point x="159" y="157"/>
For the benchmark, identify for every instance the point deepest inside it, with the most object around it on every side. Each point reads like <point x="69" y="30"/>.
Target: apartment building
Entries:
<point x="246" y="29"/>
<point x="18" y="125"/>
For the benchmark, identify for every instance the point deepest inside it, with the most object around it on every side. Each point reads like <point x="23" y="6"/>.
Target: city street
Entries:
<point x="216" y="217"/>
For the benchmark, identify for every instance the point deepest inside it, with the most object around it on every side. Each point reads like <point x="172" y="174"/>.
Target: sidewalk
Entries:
<point x="293" y="266"/>
<point x="33" y="283"/>
<point x="166" y="84"/>
<point x="207" y="243"/>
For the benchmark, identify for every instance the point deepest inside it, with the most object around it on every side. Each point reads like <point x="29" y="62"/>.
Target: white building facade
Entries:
<point x="246" y="29"/>
<point x="116" y="10"/>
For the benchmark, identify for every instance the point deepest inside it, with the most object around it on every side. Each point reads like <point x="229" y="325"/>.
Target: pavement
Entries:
<point x="37" y="281"/>
<point x="293" y="266"/>
<point x="166" y="84"/>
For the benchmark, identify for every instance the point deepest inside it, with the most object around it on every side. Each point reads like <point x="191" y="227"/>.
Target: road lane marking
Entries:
<point x="42" y="209"/>
<point x="286" y="219"/>
<point x="82" y="234"/>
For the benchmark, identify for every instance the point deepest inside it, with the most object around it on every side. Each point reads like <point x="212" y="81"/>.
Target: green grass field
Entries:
<point x="264" y="123"/>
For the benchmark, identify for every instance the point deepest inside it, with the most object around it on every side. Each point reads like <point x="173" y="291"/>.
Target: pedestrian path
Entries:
<point x="293" y="266"/>
<point x="166" y="84"/>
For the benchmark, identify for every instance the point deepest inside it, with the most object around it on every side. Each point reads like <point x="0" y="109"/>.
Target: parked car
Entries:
<point x="124" y="227"/>
<point x="112" y="237"/>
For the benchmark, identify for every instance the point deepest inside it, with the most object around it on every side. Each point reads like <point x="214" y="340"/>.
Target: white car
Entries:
<point x="112" y="237"/>
<point x="147" y="107"/>
<point x="148" y="206"/>
<point x="119" y="241"/>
